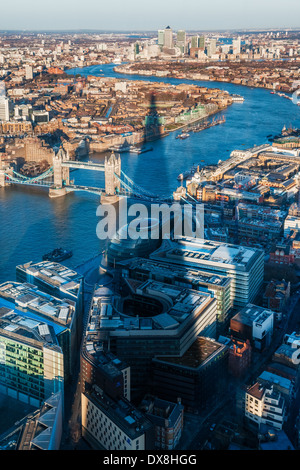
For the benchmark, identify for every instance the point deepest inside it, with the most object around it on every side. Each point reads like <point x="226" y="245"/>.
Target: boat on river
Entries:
<point x="58" y="255"/>
<point x="183" y="135"/>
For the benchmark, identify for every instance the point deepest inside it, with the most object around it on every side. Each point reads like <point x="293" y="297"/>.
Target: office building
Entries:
<point x="122" y="245"/>
<point x="255" y="324"/>
<point x="161" y="37"/>
<point x="201" y="42"/>
<point x="151" y="318"/>
<point x="276" y="296"/>
<point x="244" y="265"/>
<point x="211" y="47"/>
<point x="61" y="315"/>
<point x="279" y="383"/>
<point x="40" y="430"/>
<point x="284" y="371"/>
<point x="197" y="376"/>
<point x="54" y="279"/>
<point x="220" y="286"/>
<point x="114" y="425"/>
<point x="264" y="406"/>
<point x="40" y="117"/>
<point x="31" y="361"/>
<point x="5" y="108"/>
<point x="287" y="355"/>
<point x="194" y="42"/>
<point x="181" y="40"/>
<point x="168" y="38"/>
<point x="236" y="46"/>
<point x="98" y="366"/>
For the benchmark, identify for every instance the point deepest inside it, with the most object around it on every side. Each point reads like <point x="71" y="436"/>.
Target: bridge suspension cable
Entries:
<point x="136" y="186"/>
<point x="26" y="180"/>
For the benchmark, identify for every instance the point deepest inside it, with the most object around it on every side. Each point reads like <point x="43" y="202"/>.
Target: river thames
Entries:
<point x="33" y="224"/>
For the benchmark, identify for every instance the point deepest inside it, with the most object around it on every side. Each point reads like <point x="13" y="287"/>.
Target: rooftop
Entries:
<point x="206" y="252"/>
<point x="201" y="351"/>
<point x="27" y="297"/>
<point x="176" y="304"/>
<point x="166" y="270"/>
<point x="33" y="432"/>
<point x="27" y="330"/>
<point x="275" y="379"/>
<point x="128" y="418"/>
<point x="253" y="314"/>
<point x="54" y="274"/>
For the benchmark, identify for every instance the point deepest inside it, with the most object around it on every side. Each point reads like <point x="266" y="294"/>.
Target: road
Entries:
<point x="72" y="423"/>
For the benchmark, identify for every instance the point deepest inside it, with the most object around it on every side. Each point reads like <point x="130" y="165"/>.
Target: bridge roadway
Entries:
<point x="83" y="165"/>
<point x="76" y="187"/>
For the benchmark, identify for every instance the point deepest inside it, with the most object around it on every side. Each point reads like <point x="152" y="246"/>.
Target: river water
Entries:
<point x="32" y="224"/>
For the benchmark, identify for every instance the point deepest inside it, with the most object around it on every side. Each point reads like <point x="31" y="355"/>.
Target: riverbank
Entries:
<point x="253" y="77"/>
<point x="32" y="223"/>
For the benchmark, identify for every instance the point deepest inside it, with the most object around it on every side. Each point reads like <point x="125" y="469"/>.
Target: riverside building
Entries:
<point x="244" y="265"/>
<point x="54" y="279"/>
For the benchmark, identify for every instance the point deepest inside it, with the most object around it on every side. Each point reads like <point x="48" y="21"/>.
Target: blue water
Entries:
<point x="32" y="224"/>
<point x="247" y="124"/>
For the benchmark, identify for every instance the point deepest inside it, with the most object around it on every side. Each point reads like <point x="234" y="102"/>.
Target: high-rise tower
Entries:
<point x="168" y="37"/>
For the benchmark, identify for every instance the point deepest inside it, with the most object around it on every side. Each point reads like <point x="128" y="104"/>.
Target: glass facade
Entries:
<point x="22" y="368"/>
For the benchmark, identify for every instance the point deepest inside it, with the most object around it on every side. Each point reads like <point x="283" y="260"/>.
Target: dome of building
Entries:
<point x="138" y="238"/>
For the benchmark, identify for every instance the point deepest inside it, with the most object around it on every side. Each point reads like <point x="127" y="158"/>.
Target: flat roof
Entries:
<point x="124" y="415"/>
<point x="13" y="323"/>
<point x="27" y="297"/>
<point x="54" y="274"/>
<point x="198" y="353"/>
<point x="178" y="304"/>
<point x="34" y="316"/>
<point x="169" y="270"/>
<point x="252" y="313"/>
<point x="275" y="379"/>
<point x="207" y="252"/>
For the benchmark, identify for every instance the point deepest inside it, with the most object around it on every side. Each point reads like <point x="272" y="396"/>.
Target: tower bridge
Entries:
<point x="57" y="179"/>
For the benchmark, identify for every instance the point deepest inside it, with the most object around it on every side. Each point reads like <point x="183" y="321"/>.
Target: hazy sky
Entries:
<point x="148" y="14"/>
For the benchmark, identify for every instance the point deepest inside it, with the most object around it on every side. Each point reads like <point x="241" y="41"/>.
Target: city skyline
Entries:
<point x="138" y="16"/>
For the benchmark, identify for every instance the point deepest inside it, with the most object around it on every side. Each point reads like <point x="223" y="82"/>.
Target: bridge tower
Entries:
<point x="112" y="167"/>
<point x="60" y="174"/>
<point x="4" y="168"/>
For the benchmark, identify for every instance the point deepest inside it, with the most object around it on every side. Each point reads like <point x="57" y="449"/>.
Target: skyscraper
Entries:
<point x="211" y="48"/>
<point x="161" y="37"/>
<point x="5" y="106"/>
<point x="194" y="41"/>
<point x="168" y="37"/>
<point x="201" y="42"/>
<point x="236" y="45"/>
<point x="181" y="40"/>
